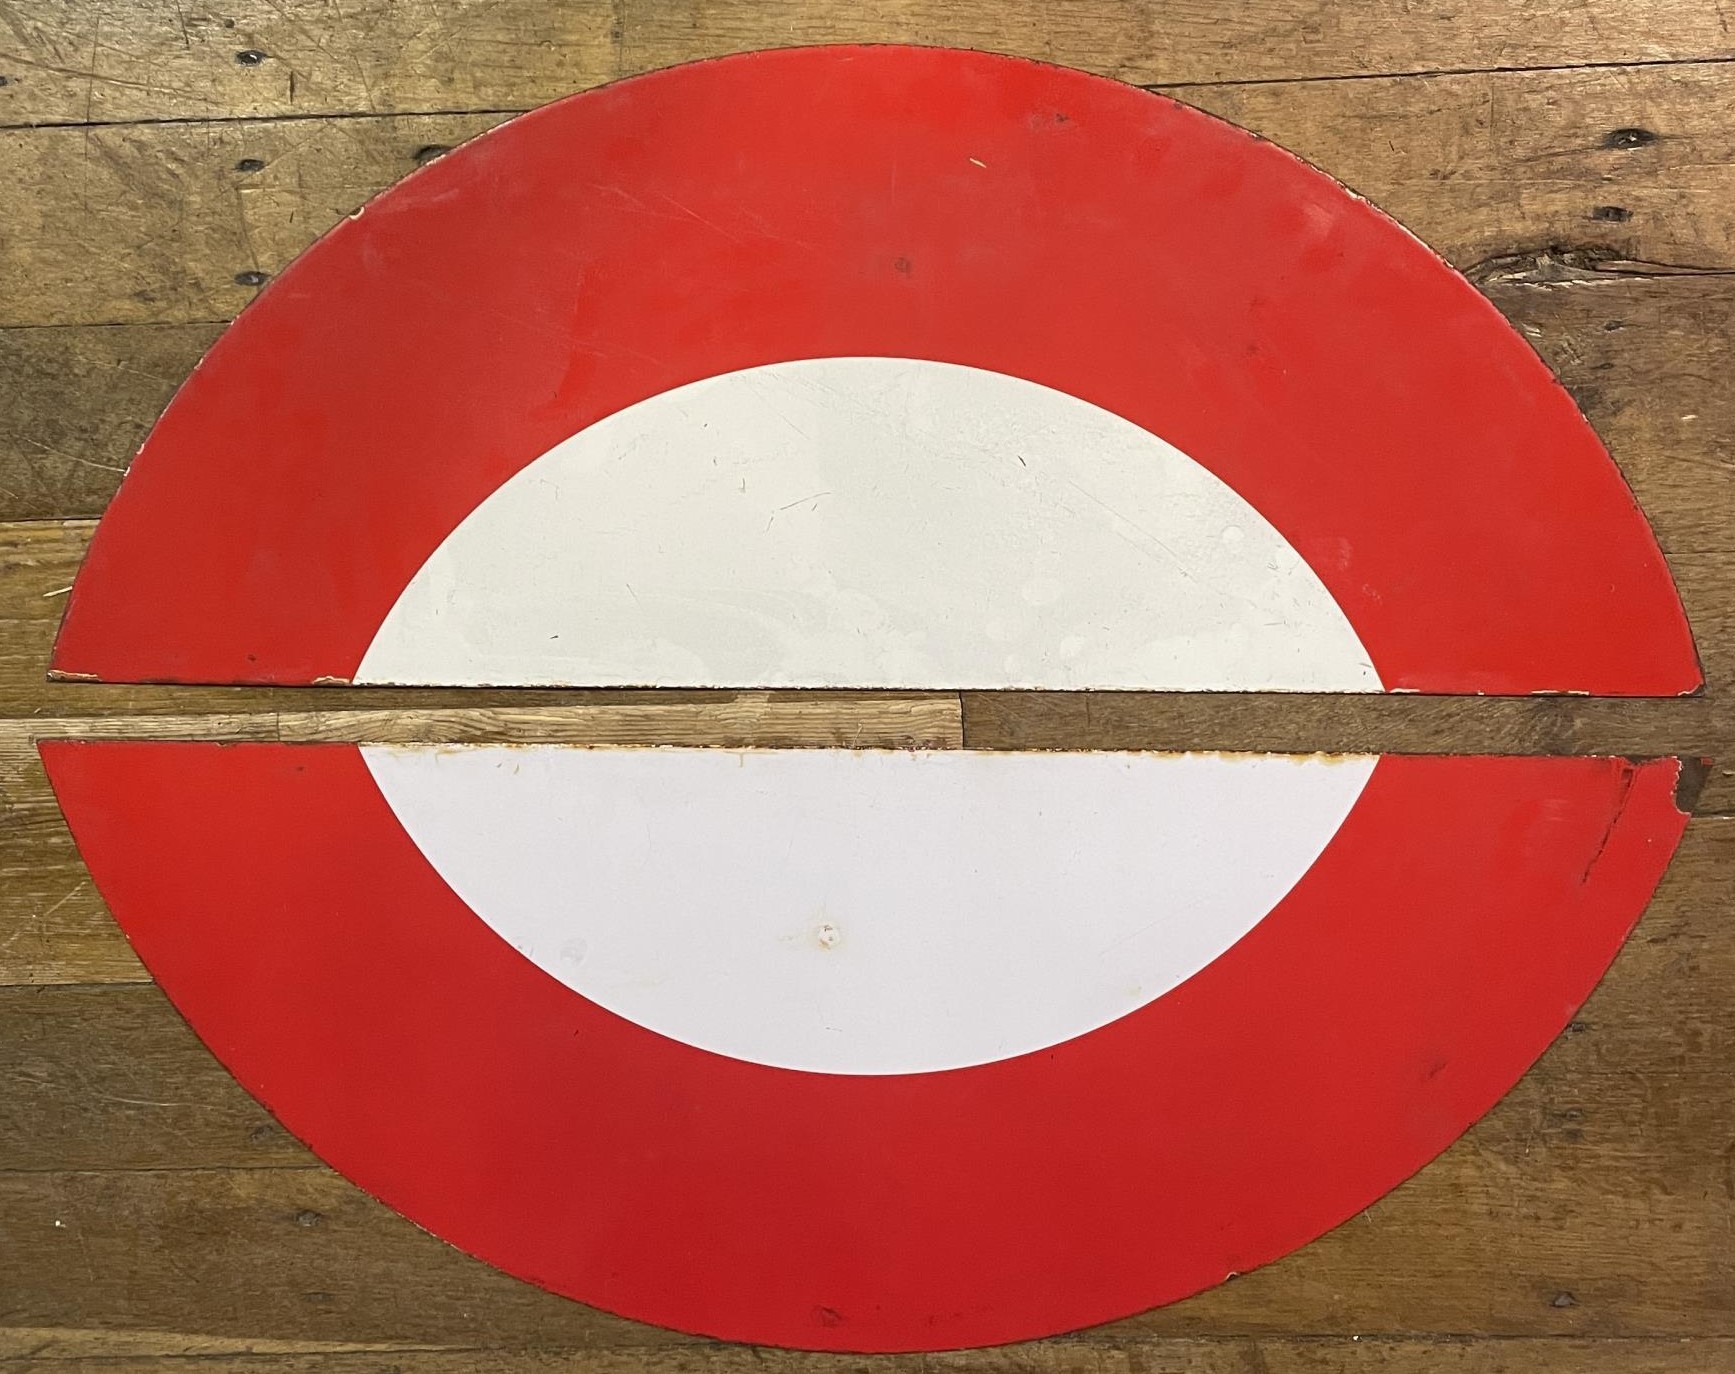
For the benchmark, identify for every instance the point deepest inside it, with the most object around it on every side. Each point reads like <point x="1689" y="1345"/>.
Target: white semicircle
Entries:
<point x="867" y="912"/>
<point x="872" y="523"/>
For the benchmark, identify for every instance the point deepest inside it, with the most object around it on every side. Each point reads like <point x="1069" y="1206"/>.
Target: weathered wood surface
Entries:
<point x="1614" y="1147"/>
<point x="1574" y="155"/>
<point x="39" y="559"/>
<point x="50" y="1350"/>
<point x="54" y="927"/>
<point x="1646" y="357"/>
<point x="75" y="405"/>
<point x="176" y="223"/>
<point x="112" y="1078"/>
<point x="71" y="62"/>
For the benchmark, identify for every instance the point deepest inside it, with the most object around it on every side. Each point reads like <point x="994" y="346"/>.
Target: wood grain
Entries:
<point x="1202" y="1356"/>
<point x="54" y="927"/>
<point x="39" y="559"/>
<point x="1486" y="166"/>
<point x="49" y="1351"/>
<point x="76" y="403"/>
<point x="298" y="1254"/>
<point x="167" y="223"/>
<point x="105" y="1077"/>
<point x="71" y="62"/>
<point x="1617" y="1142"/>
<point x="1575" y="155"/>
<point x="1645" y="356"/>
<point x="1152" y="44"/>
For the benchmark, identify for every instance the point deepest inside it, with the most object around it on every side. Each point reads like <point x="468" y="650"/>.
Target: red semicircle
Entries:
<point x="924" y="203"/>
<point x="1445" y="936"/>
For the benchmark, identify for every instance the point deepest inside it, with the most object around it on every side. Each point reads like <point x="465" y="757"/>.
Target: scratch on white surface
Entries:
<point x="799" y="501"/>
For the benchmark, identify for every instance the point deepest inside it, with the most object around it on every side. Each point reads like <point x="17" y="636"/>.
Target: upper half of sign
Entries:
<point x="876" y="367"/>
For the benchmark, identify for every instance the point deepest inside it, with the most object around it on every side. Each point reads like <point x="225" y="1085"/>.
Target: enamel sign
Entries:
<point x="873" y="368"/>
<point x="876" y="367"/>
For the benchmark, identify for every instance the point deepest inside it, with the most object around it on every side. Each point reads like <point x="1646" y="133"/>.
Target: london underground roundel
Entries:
<point x="873" y="367"/>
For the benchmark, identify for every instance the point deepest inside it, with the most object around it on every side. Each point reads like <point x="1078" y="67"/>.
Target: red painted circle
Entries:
<point x="920" y="203"/>
<point x="1386" y="1003"/>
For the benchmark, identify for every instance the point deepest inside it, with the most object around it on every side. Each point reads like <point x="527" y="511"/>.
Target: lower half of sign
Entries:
<point x="865" y="1050"/>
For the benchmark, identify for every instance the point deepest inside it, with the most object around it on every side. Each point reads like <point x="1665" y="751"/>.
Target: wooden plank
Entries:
<point x="1148" y="43"/>
<point x="1701" y="727"/>
<point x="1513" y="1246"/>
<point x="724" y="719"/>
<point x="89" y="1068"/>
<point x="69" y="62"/>
<point x="109" y="1077"/>
<point x="166" y="223"/>
<point x="50" y="1350"/>
<point x="39" y="559"/>
<point x="1483" y="167"/>
<point x="66" y="62"/>
<point x="1615" y="1145"/>
<point x="282" y="1254"/>
<point x="161" y="224"/>
<point x="1644" y="357"/>
<point x="76" y="403"/>
<point x="54" y="927"/>
<point x="1698" y="728"/>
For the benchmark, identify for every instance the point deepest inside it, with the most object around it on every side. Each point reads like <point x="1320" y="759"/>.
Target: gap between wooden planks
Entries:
<point x="38" y="560"/>
<point x="48" y="1350"/>
<point x="1583" y="1226"/>
<point x="1479" y="163"/>
<point x="1646" y="357"/>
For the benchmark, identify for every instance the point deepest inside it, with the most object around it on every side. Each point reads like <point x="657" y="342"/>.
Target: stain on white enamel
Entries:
<point x="865" y="912"/>
<point x="868" y="522"/>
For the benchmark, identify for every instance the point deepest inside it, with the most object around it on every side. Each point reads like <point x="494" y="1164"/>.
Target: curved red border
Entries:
<point x="1464" y="911"/>
<point x="923" y="203"/>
